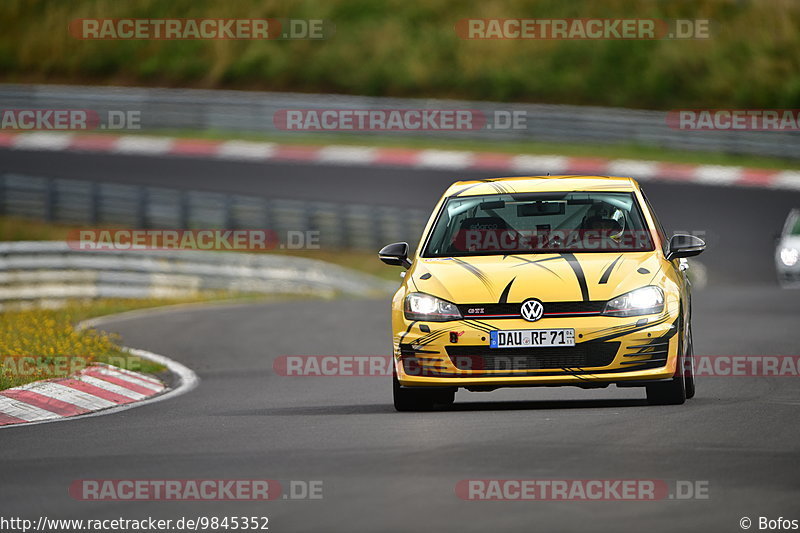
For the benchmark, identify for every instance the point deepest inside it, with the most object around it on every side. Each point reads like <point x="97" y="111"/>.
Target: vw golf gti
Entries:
<point x="542" y="281"/>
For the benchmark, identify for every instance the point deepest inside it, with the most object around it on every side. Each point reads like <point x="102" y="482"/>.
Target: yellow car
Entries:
<point x="542" y="281"/>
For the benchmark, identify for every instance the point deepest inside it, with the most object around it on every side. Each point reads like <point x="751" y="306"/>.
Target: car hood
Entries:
<point x="790" y="241"/>
<point x="548" y="277"/>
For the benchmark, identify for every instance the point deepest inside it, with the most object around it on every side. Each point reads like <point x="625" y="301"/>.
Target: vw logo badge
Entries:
<point x="531" y="310"/>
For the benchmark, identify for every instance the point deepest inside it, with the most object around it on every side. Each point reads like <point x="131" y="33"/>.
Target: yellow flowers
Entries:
<point x="52" y="345"/>
<point x="40" y="344"/>
<point x="48" y="332"/>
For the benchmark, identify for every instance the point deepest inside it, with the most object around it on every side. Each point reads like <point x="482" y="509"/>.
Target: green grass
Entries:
<point x="410" y="48"/>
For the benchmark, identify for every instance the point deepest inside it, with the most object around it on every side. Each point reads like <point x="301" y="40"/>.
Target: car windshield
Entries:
<point x="518" y="223"/>
<point x="793" y="224"/>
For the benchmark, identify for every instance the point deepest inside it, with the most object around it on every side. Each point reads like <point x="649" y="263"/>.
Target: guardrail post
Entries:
<point x="345" y="239"/>
<point x="308" y="217"/>
<point x="269" y="222"/>
<point x="183" y="210"/>
<point x="230" y="218"/>
<point x="141" y="208"/>
<point x="3" y="186"/>
<point x="378" y="228"/>
<point x="50" y="200"/>
<point x="94" y="203"/>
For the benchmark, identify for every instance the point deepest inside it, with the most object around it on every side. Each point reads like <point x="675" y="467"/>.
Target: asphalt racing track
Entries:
<point x="387" y="471"/>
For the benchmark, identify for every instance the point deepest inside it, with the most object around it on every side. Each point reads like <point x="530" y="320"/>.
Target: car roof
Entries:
<point x="541" y="184"/>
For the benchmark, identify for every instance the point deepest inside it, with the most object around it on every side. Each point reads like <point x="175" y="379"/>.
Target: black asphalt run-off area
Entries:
<point x="388" y="471"/>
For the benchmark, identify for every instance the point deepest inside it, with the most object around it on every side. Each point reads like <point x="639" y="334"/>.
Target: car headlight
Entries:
<point x="790" y="256"/>
<point x="421" y="306"/>
<point x="645" y="301"/>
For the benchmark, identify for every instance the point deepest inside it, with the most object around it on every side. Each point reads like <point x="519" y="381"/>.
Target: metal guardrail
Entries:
<point x="242" y="112"/>
<point x="52" y="270"/>
<point x="78" y="202"/>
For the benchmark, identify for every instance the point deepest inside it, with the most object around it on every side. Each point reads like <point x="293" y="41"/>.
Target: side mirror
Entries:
<point x="395" y="254"/>
<point x="685" y="246"/>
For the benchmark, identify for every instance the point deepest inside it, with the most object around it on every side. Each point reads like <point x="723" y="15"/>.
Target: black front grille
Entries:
<point x="478" y="358"/>
<point x="551" y="309"/>
<point x="790" y="276"/>
<point x="574" y="307"/>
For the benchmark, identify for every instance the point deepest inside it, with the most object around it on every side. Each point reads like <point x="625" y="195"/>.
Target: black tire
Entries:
<point x="672" y="392"/>
<point x="419" y="399"/>
<point x="688" y="367"/>
<point x="444" y="397"/>
<point x="681" y="386"/>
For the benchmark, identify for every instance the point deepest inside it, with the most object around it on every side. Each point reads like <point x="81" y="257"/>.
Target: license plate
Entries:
<point x="527" y="338"/>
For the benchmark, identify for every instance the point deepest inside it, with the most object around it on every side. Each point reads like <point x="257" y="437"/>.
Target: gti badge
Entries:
<point x="531" y="310"/>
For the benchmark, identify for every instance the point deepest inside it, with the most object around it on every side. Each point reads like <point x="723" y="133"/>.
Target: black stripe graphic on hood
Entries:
<point x="427" y="339"/>
<point x="576" y="267"/>
<point x="607" y="272"/>
<point x="479" y="325"/>
<point x="403" y="336"/>
<point x="468" y="187"/>
<point x="478" y="274"/>
<point x="504" y="296"/>
<point x="536" y="263"/>
<point x="498" y="187"/>
<point x="633" y="329"/>
<point x="501" y="186"/>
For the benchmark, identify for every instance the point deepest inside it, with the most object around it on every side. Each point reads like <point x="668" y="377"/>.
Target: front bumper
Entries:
<point x="788" y="276"/>
<point x="607" y="350"/>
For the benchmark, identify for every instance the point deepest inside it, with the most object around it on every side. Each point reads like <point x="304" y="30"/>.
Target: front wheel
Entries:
<point x="688" y="367"/>
<point x="676" y="390"/>
<point x="672" y="392"/>
<point x="419" y="399"/>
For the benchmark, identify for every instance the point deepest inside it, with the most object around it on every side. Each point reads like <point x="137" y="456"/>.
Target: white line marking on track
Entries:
<point x="444" y="159"/>
<point x="639" y="170"/>
<point x="245" y="150"/>
<point x="788" y="179"/>
<point x="134" y="144"/>
<point x="717" y="174"/>
<point x="348" y="155"/>
<point x="42" y="141"/>
<point x="555" y="164"/>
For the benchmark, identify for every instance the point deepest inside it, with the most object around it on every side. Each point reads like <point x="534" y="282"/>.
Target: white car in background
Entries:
<point x="787" y="253"/>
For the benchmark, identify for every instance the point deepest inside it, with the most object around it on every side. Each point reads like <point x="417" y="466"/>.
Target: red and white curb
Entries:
<point x="403" y="157"/>
<point x="97" y="390"/>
